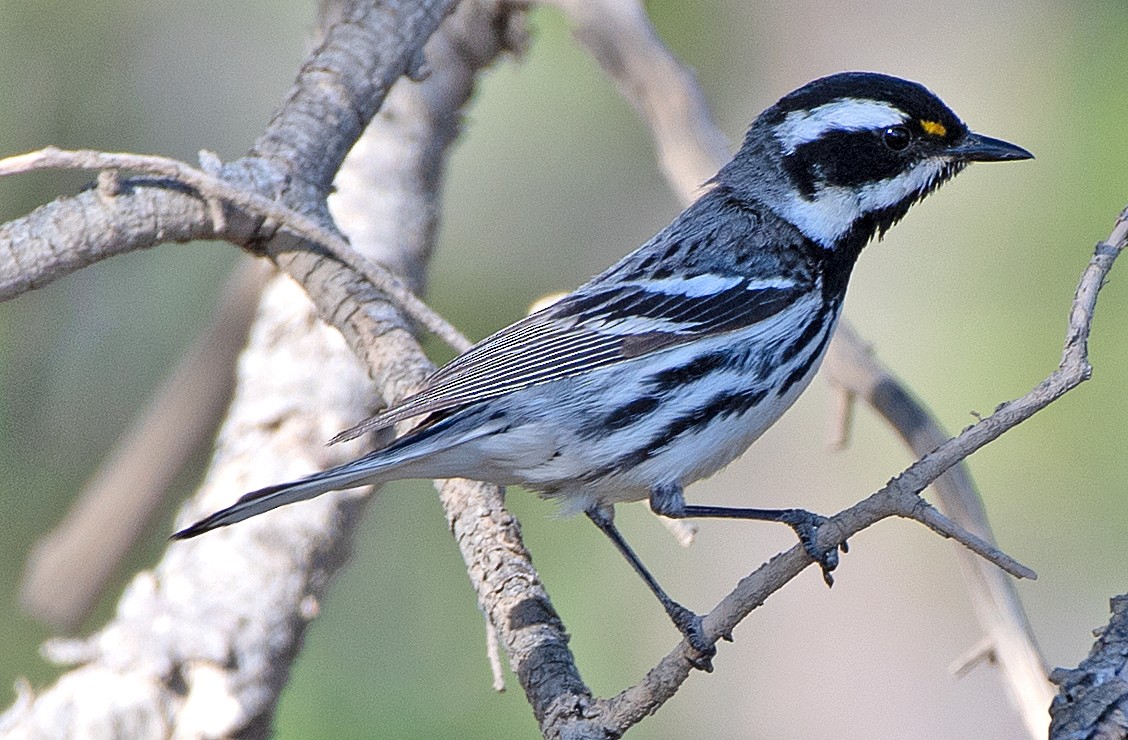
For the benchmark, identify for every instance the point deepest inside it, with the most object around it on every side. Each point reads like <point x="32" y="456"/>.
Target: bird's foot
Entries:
<point x="689" y="624"/>
<point x="806" y="525"/>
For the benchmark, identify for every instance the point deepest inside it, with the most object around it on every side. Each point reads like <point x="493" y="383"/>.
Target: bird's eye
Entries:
<point x="897" y="138"/>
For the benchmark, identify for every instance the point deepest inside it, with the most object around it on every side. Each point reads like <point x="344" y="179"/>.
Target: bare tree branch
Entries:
<point x="218" y="196"/>
<point x="1092" y="699"/>
<point x="531" y="632"/>
<point x="898" y="498"/>
<point x="68" y="234"/>
<point x="373" y="201"/>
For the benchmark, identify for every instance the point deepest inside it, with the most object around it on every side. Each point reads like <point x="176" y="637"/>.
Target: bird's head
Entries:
<point x="844" y="157"/>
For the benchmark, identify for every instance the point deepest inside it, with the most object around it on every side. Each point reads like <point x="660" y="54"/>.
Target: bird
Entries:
<point x="666" y="367"/>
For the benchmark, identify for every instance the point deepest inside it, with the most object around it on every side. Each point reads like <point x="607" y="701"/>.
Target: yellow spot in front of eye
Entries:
<point x="934" y="128"/>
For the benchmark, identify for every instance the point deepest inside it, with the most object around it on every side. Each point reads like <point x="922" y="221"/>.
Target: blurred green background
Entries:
<point x="554" y="179"/>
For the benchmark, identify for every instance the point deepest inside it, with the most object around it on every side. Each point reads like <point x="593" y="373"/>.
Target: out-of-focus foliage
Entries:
<point x="554" y="179"/>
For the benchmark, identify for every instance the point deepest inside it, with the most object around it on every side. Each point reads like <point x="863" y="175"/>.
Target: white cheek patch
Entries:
<point x="833" y="210"/>
<point x="846" y="114"/>
<point x="885" y="193"/>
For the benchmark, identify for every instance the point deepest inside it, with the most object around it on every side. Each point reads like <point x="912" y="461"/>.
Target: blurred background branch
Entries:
<point x="69" y="567"/>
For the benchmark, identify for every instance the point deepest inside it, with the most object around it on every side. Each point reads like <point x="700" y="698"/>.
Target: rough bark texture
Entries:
<point x="1092" y="699"/>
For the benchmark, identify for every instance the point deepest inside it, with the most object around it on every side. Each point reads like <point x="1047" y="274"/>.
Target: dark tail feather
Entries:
<point x="349" y="475"/>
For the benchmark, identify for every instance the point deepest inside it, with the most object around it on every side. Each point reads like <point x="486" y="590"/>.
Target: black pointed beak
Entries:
<point x="979" y="148"/>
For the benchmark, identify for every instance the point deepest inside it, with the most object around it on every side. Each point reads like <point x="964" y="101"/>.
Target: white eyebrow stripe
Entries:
<point x="845" y="114"/>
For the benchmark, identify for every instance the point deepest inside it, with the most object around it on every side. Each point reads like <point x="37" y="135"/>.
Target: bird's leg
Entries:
<point x="688" y="623"/>
<point x="668" y="501"/>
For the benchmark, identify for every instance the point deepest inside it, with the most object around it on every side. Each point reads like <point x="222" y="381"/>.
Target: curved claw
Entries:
<point x="689" y="624"/>
<point x="806" y="524"/>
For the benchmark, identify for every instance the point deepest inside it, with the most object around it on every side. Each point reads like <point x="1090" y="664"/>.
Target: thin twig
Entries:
<point x="493" y="654"/>
<point x="559" y="709"/>
<point x="930" y="517"/>
<point x="244" y="594"/>
<point x="213" y="190"/>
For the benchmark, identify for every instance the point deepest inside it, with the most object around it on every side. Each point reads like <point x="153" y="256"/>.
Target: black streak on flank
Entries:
<point x="721" y="405"/>
<point x="696" y="369"/>
<point x="809" y="333"/>
<point x="801" y="372"/>
<point x="630" y="413"/>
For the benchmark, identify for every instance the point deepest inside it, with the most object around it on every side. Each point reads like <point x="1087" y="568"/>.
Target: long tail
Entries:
<point x="362" y="471"/>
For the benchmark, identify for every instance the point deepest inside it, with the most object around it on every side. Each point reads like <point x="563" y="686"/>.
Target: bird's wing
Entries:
<point x="597" y="326"/>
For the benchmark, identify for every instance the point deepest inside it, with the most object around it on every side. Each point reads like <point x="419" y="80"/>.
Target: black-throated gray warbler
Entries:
<point x="667" y="366"/>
